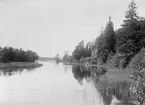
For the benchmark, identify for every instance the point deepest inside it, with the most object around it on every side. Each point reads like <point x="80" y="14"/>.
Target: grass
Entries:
<point x="117" y="74"/>
<point x="19" y="65"/>
<point x="113" y="73"/>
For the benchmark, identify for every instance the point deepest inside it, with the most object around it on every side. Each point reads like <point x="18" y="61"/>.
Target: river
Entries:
<point x="51" y="84"/>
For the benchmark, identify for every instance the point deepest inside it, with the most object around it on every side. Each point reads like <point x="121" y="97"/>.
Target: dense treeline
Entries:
<point x="9" y="54"/>
<point x="115" y="47"/>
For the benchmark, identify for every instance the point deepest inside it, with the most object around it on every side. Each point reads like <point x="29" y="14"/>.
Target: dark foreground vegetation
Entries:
<point x="121" y="48"/>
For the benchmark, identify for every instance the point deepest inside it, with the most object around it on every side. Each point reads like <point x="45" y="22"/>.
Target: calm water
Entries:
<point x="51" y="84"/>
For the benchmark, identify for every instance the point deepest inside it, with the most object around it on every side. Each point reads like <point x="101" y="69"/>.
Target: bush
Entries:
<point x="114" y="61"/>
<point x="133" y="65"/>
<point x="122" y="63"/>
<point x="110" y="56"/>
<point x="138" y="86"/>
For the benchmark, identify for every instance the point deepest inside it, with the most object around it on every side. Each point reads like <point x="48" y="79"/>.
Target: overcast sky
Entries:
<point x="49" y="27"/>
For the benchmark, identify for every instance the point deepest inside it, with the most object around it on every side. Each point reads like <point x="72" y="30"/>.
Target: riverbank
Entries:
<point x="113" y="73"/>
<point x="19" y="65"/>
<point x="91" y="65"/>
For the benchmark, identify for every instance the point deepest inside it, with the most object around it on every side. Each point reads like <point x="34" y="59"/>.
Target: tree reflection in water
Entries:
<point x="108" y="90"/>
<point x="80" y="73"/>
<point x="14" y="71"/>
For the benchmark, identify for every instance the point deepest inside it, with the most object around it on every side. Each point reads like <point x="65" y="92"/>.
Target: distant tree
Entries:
<point x="9" y="54"/>
<point x="79" y="51"/>
<point x="57" y="57"/>
<point x="66" y="56"/>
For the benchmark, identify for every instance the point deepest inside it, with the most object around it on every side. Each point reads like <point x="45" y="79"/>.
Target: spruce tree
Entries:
<point x="106" y="42"/>
<point x="129" y="36"/>
<point x="131" y="13"/>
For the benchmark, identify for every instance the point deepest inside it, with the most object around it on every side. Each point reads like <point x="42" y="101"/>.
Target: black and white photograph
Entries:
<point x="72" y="52"/>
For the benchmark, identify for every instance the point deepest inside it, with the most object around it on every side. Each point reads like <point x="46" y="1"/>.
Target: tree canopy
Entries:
<point x="126" y="41"/>
<point x="9" y="54"/>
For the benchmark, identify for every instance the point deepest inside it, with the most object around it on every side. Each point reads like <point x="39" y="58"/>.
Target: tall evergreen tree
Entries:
<point x="130" y="35"/>
<point x="110" y="36"/>
<point x="131" y="13"/>
<point x="106" y="42"/>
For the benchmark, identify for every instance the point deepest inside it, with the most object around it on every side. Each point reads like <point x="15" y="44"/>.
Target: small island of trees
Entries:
<point x="10" y="54"/>
<point x="17" y="58"/>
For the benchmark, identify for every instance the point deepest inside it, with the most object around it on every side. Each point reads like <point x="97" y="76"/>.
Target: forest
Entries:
<point x="119" y="48"/>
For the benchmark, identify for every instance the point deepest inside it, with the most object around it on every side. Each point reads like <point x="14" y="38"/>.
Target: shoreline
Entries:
<point x="89" y="65"/>
<point x="19" y="65"/>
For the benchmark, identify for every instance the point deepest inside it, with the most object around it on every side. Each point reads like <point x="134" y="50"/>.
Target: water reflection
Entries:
<point x="118" y="91"/>
<point x="111" y="92"/>
<point x="80" y="73"/>
<point x="92" y="73"/>
<point x="15" y="71"/>
<point x="66" y="67"/>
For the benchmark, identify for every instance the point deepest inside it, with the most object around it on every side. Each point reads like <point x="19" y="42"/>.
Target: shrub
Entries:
<point x="110" y="56"/>
<point x="114" y="61"/>
<point x="122" y="63"/>
<point x="138" y="86"/>
<point x="133" y="65"/>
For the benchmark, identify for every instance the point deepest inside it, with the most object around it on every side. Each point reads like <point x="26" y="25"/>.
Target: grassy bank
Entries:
<point x="112" y="74"/>
<point x="19" y="65"/>
<point x="93" y="65"/>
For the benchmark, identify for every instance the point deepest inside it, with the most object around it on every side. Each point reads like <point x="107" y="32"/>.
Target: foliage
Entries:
<point x="122" y="63"/>
<point x="106" y="42"/>
<point x="131" y="13"/>
<point x="130" y="35"/>
<point x="138" y="86"/>
<point x="88" y="49"/>
<point x="66" y="56"/>
<point x="137" y="59"/>
<point x="121" y="48"/>
<point x="81" y="51"/>
<point x="110" y="56"/>
<point x="127" y="41"/>
<point x="9" y="54"/>
<point x="114" y="61"/>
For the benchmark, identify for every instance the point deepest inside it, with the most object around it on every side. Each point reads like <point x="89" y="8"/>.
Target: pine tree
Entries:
<point x="110" y="36"/>
<point x="129" y="36"/>
<point x="106" y="42"/>
<point x="131" y="13"/>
